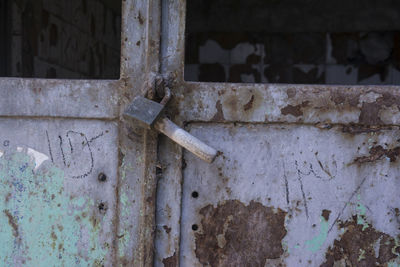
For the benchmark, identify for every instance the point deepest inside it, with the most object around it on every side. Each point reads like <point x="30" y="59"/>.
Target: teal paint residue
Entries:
<point x="397" y="244"/>
<point x="315" y="244"/>
<point x="361" y="212"/>
<point x="393" y="264"/>
<point x="125" y="235"/>
<point x="40" y="224"/>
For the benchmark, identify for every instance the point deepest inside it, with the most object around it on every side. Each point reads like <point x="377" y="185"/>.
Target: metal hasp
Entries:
<point x="149" y="114"/>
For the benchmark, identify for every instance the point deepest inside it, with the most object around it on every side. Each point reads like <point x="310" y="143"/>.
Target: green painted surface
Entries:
<point x="40" y="224"/>
<point x="361" y="212"/>
<point x="126" y="203"/>
<point x="393" y="264"/>
<point x="315" y="244"/>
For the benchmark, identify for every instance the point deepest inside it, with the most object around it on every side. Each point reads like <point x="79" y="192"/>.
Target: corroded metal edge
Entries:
<point x="269" y="103"/>
<point x="136" y="190"/>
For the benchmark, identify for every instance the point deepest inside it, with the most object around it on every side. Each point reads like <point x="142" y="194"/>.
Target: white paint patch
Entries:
<point x="37" y="156"/>
<point x="1" y="153"/>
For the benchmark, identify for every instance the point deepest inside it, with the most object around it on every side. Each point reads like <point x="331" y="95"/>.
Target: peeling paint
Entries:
<point x="315" y="244"/>
<point x="361" y="212"/>
<point x="234" y="234"/>
<point x="65" y="229"/>
<point x="171" y="261"/>
<point x="377" y="153"/>
<point x="356" y="246"/>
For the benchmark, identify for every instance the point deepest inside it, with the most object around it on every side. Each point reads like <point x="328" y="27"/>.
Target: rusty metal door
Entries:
<point x="307" y="175"/>
<point x="77" y="182"/>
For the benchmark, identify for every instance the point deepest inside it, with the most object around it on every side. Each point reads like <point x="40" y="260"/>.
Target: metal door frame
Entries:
<point x="105" y="100"/>
<point x="357" y="109"/>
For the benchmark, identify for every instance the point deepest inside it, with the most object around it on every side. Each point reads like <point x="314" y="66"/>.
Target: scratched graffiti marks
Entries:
<point x="73" y="151"/>
<point x="308" y="170"/>
<point x="303" y="171"/>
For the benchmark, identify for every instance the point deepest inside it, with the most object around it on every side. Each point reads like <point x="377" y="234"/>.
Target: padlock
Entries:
<point x="144" y="111"/>
<point x="149" y="114"/>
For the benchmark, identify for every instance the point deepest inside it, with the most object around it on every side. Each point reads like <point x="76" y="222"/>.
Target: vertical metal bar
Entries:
<point x="173" y="38"/>
<point x="136" y="191"/>
<point x="169" y="191"/>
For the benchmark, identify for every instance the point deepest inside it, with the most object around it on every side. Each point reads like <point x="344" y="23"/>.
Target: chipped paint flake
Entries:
<point x="361" y="212"/>
<point x="38" y="157"/>
<point x="43" y="225"/>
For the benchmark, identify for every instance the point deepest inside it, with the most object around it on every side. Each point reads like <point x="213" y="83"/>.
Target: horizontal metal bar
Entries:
<point x="265" y="103"/>
<point x="59" y="98"/>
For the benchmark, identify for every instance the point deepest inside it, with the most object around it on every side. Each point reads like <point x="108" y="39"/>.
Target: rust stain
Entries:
<point x="171" y="261"/>
<point x="231" y="234"/>
<point x="221" y="92"/>
<point x="53" y="236"/>
<point x="140" y="18"/>
<point x="8" y="197"/>
<point x="370" y="114"/>
<point x="358" y="129"/>
<point x="219" y="115"/>
<point x="377" y="153"/>
<point x="294" y="110"/>
<point x="249" y="104"/>
<point x="325" y="214"/>
<point x="356" y="247"/>
<point x="11" y="221"/>
<point x="167" y="229"/>
<point x="370" y="111"/>
<point x="340" y="97"/>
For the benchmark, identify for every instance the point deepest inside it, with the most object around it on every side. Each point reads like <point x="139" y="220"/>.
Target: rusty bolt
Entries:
<point x="102" y="177"/>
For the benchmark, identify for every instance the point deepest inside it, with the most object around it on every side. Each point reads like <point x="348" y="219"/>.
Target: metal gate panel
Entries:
<point x="138" y="147"/>
<point x="59" y="98"/>
<point x="246" y="212"/>
<point x="31" y="109"/>
<point x="168" y="207"/>
<point x="291" y="195"/>
<point x="270" y="103"/>
<point x="55" y="209"/>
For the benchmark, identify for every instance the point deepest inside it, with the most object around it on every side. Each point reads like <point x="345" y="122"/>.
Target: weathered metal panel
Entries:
<point x="168" y="210"/>
<point x="54" y="210"/>
<point x="296" y="184"/>
<point x="138" y="147"/>
<point x="292" y="195"/>
<point x="170" y="155"/>
<point x="79" y="219"/>
<point x="173" y="38"/>
<point x="59" y="98"/>
<point x="259" y="103"/>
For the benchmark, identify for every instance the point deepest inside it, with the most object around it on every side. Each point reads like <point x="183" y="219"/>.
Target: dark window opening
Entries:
<point x="292" y="41"/>
<point x="65" y="39"/>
